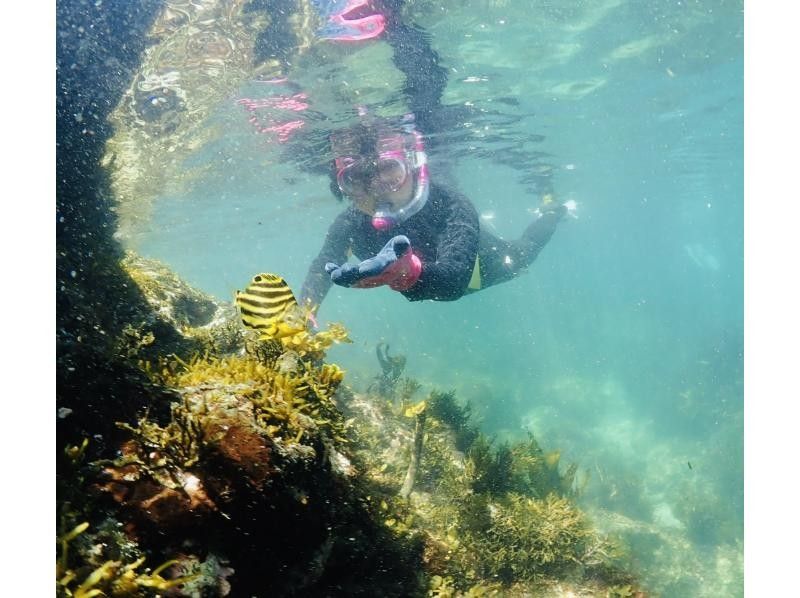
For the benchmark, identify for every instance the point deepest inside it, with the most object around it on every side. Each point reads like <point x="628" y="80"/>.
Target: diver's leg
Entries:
<point x="500" y="261"/>
<point x="538" y="234"/>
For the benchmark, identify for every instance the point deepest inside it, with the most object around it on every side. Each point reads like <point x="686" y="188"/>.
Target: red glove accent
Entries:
<point x="409" y="268"/>
<point x="400" y="276"/>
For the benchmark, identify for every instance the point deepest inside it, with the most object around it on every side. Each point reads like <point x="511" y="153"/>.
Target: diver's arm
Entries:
<point x="334" y="249"/>
<point x="447" y="278"/>
<point x="413" y="54"/>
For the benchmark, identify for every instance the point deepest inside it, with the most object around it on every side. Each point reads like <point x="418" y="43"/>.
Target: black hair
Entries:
<point x="359" y="139"/>
<point x="334" y="184"/>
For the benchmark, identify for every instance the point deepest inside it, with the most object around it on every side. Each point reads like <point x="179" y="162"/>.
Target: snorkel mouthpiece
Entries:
<point x="380" y="223"/>
<point x="383" y="219"/>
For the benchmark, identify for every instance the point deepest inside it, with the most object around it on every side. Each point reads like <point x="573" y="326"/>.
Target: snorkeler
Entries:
<point x="419" y="238"/>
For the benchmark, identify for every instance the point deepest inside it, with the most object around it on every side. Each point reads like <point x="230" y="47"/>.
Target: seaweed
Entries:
<point x="536" y="473"/>
<point x="313" y="345"/>
<point x="78" y="577"/>
<point x="392" y="367"/>
<point x="283" y="406"/>
<point x="498" y="520"/>
<point x="444" y="407"/>
<point x="405" y="394"/>
<point x="489" y="471"/>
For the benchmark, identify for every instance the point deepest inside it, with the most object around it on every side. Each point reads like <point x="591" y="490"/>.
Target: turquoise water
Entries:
<point x="623" y="344"/>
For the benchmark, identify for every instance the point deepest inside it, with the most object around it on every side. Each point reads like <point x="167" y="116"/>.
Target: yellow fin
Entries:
<point x="475" y="280"/>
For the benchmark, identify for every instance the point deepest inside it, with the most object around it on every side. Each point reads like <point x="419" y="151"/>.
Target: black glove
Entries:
<point x="394" y="265"/>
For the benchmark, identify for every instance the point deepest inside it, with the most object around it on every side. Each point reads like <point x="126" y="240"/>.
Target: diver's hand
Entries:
<point x="395" y="265"/>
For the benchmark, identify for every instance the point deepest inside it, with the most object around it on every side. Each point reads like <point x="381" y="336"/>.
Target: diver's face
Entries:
<point x="369" y="182"/>
<point x="369" y="200"/>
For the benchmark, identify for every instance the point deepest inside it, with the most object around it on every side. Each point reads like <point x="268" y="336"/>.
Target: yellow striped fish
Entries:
<point x="269" y="306"/>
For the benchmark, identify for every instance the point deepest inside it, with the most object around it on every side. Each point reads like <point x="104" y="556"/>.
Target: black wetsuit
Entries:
<point x="446" y="236"/>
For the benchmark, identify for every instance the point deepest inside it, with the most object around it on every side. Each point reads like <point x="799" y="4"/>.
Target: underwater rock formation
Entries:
<point x="98" y="52"/>
<point x="268" y="477"/>
<point x="251" y="467"/>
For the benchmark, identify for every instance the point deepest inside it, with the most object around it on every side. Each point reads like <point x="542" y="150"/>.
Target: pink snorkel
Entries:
<point x="353" y="22"/>
<point x="382" y="222"/>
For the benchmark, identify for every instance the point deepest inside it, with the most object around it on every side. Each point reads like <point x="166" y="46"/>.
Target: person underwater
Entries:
<point x="409" y="233"/>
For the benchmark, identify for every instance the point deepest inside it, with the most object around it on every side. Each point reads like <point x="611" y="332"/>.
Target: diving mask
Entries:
<point x="359" y="176"/>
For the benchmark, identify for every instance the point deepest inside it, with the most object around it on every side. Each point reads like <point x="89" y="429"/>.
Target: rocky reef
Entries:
<point x="247" y="477"/>
<point x="257" y="471"/>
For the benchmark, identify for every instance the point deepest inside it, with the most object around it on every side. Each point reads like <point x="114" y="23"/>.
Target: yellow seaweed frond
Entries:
<point x="552" y="458"/>
<point x="115" y="579"/>
<point x="112" y="578"/>
<point x="314" y="345"/>
<point x="286" y="400"/>
<point x="75" y="453"/>
<point x="415" y="410"/>
<point x="103" y="573"/>
<point x="324" y="381"/>
<point x="61" y="566"/>
<point x="226" y="370"/>
<point x="129" y="582"/>
<point x="441" y="587"/>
